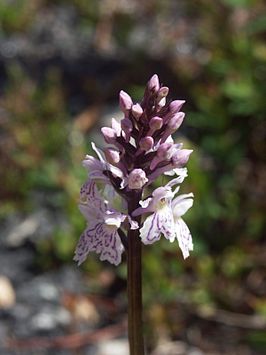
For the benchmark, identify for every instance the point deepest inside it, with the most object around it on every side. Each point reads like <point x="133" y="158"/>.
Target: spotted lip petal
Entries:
<point x="101" y="234"/>
<point x="137" y="157"/>
<point x="100" y="239"/>
<point x="184" y="237"/>
<point x="160" y="222"/>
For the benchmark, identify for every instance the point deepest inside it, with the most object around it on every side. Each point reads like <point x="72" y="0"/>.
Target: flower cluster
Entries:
<point x="140" y="149"/>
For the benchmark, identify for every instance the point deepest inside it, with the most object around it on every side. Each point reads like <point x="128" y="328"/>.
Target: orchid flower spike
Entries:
<point x="140" y="148"/>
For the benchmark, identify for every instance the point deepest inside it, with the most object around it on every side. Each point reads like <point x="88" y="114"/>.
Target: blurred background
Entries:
<point x="62" y="65"/>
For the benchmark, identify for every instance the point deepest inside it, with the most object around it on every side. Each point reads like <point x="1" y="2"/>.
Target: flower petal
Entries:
<point x="150" y="233"/>
<point x="89" y="241"/>
<point x="182" y="174"/>
<point x="99" y="152"/>
<point x="91" y="196"/>
<point x="184" y="237"/>
<point x="114" y="218"/>
<point x="112" y="247"/>
<point x="133" y="224"/>
<point x="166" y="223"/>
<point x="105" y="165"/>
<point x="181" y="204"/>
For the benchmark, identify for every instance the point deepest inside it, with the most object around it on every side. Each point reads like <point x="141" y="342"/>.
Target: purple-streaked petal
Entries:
<point x="101" y="239"/>
<point x="166" y="223"/>
<point x="89" y="241"/>
<point x="90" y="195"/>
<point x="112" y="247"/>
<point x="184" y="237"/>
<point x="150" y="233"/>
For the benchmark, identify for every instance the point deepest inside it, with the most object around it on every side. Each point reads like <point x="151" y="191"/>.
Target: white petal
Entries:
<point x="166" y="223"/>
<point x="114" y="219"/>
<point x="116" y="127"/>
<point x="133" y="224"/>
<point x="150" y="233"/>
<point x="182" y="204"/>
<point x="99" y="152"/>
<point x="145" y="203"/>
<point x="182" y="174"/>
<point x="184" y="237"/>
<point x="169" y="139"/>
<point x="115" y="171"/>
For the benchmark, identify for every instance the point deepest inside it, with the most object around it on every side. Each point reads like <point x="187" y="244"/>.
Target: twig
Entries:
<point x="71" y="341"/>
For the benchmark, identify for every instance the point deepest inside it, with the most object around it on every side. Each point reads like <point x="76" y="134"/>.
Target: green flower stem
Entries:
<point x="134" y="285"/>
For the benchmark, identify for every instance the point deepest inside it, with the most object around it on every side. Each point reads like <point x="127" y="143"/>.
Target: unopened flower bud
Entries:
<point x="175" y="106"/>
<point x="173" y="124"/>
<point x="164" y="153"/>
<point x="146" y="143"/>
<point x="125" y="101"/>
<point x="116" y="126"/>
<point x="155" y="124"/>
<point x="176" y="121"/>
<point x="137" y="179"/>
<point x="137" y="111"/>
<point x="161" y="103"/>
<point x="109" y="135"/>
<point x="112" y="155"/>
<point x="163" y="92"/>
<point x="127" y="127"/>
<point x="180" y="157"/>
<point x="153" y="84"/>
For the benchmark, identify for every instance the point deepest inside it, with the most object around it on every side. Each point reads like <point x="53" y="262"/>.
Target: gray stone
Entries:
<point x="50" y="318"/>
<point x="113" y="347"/>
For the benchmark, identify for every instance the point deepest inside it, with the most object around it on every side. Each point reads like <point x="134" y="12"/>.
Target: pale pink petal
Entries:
<point x="99" y="153"/>
<point x="145" y="203"/>
<point x="152" y="203"/>
<point x="114" y="218"/>
<point x="182" y="174"/>
<point x="90" y="195"/>
<point x="89" y="241"/>
<point x="116" y="126"/>
<point x="112" y="247"/>
<point x="140" y="210"/>
<point x="182" y="204"/>
<point x="150" y="233"/>
<point x="184" y="237"/>
<point x="166" y="223"/>
<point x="105" y="165"/>
<point x="133" y="224"/>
